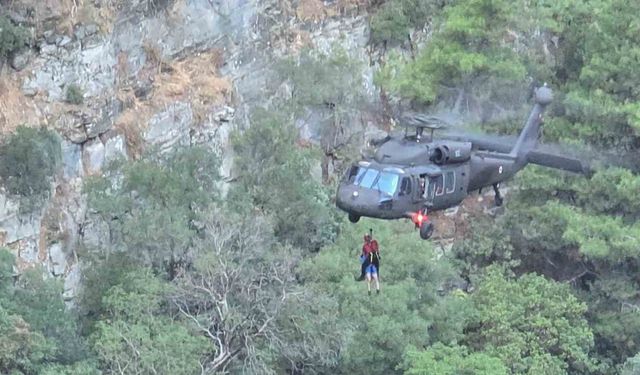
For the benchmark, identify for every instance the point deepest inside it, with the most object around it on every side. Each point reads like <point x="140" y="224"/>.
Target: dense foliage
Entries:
<point x="184" y="282"/>
<point x="29" y="159"/>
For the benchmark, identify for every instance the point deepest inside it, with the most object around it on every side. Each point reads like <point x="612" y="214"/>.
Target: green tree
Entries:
<point x="439" y="359"/>
<point x="37" y="333"/>
<point x="39" y="302"/>
<point x="631" y="366"/>
<point x="276" y="180"/>
<point x="392" y="23"/>
<point x="137" y="338"/>
<point x="29" y="158"/>
<point x="21" y="349"/>
<point x="74" y="94"/>
<point x="466" y="50"/>
<point x="153" y="206"/>
<point x="539" y="328"/>
<point x="330" y="86"/>
<point x="242" y="295"/>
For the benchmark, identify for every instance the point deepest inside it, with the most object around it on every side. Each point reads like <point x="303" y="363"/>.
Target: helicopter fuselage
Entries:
<point x="394" y="191"/>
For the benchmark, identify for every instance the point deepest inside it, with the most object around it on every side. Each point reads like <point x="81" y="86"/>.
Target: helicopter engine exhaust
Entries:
<point x="451" y="152"/>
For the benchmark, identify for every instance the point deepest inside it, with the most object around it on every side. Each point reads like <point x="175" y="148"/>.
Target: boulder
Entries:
<point x="21" y="59"/>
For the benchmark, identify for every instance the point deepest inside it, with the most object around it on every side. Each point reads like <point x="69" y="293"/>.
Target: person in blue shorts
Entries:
<point x="371" y="275"/>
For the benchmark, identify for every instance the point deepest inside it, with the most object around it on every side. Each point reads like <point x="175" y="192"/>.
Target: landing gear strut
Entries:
<point x="498" y="199"/>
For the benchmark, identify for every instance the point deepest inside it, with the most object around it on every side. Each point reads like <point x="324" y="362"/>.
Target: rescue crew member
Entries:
<point x="370" y="255"/>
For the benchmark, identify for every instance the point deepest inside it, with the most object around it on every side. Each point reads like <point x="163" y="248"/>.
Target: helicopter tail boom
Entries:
<point x="551" y="160"/>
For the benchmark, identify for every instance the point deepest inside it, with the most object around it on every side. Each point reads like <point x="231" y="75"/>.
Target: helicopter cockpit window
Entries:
<point x="355" y="174"/>
<point x="367" y="179"/>
<point x="387" y="183"/>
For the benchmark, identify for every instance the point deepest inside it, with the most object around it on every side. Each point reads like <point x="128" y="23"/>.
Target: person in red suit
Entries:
<point x="370" y="255"/>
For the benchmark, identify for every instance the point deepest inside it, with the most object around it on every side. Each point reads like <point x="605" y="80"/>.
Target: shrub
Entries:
<point x="74" y="94"/>
<point x="28" y="160"/>
<point x="12" y="37"/>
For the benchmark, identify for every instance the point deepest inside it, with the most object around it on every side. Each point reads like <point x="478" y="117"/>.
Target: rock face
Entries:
<point x="170" y="129"/>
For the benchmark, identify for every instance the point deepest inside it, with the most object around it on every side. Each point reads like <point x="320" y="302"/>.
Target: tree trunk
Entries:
<point x="324" y="165"/>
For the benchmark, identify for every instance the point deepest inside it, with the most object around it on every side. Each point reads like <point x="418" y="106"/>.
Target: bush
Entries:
<point x="74" y="94"/>
<point x="12" y="37"/>
<point x="28" y="160"/>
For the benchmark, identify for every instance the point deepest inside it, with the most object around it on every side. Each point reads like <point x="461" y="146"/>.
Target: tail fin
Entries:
<point x="528" y="138"/>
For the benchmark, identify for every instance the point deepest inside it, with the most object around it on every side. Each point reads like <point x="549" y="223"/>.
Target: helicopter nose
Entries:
<point x="354" y="199"/>
<point x="347" y="197"/>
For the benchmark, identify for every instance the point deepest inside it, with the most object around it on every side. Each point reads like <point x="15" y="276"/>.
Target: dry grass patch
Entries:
<point x="15" y="108"/>
<point x="310" y="10"/>
<point x="194" y="80"/>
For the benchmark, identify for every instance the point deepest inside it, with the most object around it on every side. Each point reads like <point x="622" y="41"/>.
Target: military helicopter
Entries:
<point x="412" y="175"/>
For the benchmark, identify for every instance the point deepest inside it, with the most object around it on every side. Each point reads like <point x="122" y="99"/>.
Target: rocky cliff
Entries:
<point x="116" y="77"/>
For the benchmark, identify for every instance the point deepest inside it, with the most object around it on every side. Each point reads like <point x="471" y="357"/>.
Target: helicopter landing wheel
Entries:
<point x="498" y="200"/>
<point x="426" y="230"/>
<point x="354" y="218"/>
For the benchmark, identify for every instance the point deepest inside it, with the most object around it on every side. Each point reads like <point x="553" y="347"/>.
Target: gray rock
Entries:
<point x="114" y="148"/>
<point x="102" y="120"/>
<point x="91" y="29"/>
<point x="17" y="226"/>
<point x="50" y="36"/>
<point x="143" y="88"/>
<point x="93" y="156"/>
<point x="28" y="250"/>
<point x="21" y="59"/>
<point x="92" y="69"/>
<point x="71" y="160"/>
<point x="224" y="114"/>
<point x="95" y="233"/>
<point x="72" y="283"/>
<point x="57" y="259"/>
<point x="80" y="32"/>
<point x="49" y="49"/>
<point x="170" y="128"/>
<point x="65" y="40"/>
<point x="71" y="127"/>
